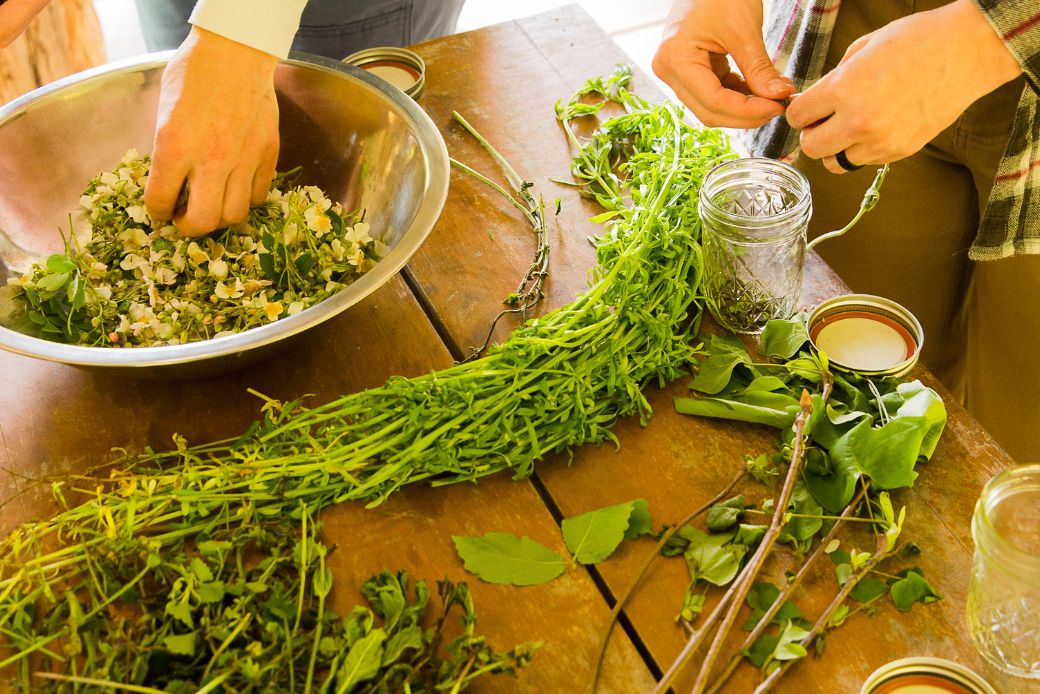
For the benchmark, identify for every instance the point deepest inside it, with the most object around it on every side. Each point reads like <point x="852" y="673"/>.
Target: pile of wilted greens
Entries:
<point x="559" y="381"/>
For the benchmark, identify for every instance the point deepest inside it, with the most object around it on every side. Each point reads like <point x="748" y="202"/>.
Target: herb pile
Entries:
<point x="126" y="280"/>
<point x="559" y="381"/>
<point x="246" y="611"/>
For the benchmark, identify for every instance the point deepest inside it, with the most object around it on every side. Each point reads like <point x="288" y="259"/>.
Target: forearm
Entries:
<point x="266" y="25"/>
<point x="1014" y="26"/>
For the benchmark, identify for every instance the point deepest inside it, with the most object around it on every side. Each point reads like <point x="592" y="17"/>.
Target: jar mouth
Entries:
<point x="755" y="192"/>
<point x="1000" y="488"/>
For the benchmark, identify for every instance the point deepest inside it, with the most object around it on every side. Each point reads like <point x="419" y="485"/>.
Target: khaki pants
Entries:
<point x="981" y="319"/>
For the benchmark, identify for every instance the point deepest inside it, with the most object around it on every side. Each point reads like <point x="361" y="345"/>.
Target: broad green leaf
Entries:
<point x="749" y="535"/>
<point x="912" y="588"/>
<point x="507" y="559"/>
<point x="213" y="548"/>
<point x="761" y="597"/>
<point x="604" y="216"/>
<point x="724" y="515"/>
<point x="54" y="282"/>
<point x="837" y="618"/>
<point x="180" y="644"/>
<point x="769" y="399"/>
<point x="921" y="401"/>
<point x="788" y="648"/>
<point x="201" y="570"/>
<point x="741" y="412"/>
<point x="593" y="536"/>
<point x="835" y="488"/>
<point x="408" y="638"/>
<point x="824" y="430"/>
<point x="639" y="523"/>
<point x="724" y="354"/>
<point x="267" y="265"/>
<point x="211" y="591"/>
<point x="781" y="339"/>
<point x="887" y="455"/>
<point x="304" y="263"/>
<point x="59" y="263"/>
<point x="363" y="661"/>
<point x="761" y="649"/>
<point x="713" y="558"/>
<point x="803" y="503"/>
<point x="765" y="383"/>
<point x="181" y="611"/>
<point x="870" y="588"/>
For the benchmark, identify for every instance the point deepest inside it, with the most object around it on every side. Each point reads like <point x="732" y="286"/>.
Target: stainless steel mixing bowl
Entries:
<point x="358" y="138"/>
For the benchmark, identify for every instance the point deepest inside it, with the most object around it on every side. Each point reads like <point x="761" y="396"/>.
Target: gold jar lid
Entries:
<point x="401" y="67"/>
<point x="866" y="334"/>
<point x="925" y="675"/>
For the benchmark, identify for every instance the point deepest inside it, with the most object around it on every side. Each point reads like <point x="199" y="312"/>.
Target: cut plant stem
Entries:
<point x="529" y="290"/>
<point x="787" y="592"/>
<point x="734" y="597"/>
<point x="821" y="623"/>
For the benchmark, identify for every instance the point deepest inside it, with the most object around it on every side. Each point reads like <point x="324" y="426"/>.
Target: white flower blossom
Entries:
<point x="197" y="255"/>
<point x="317" y="221"/>
<point x="139" y="214"/>
<point x="218" y="268"/>
<point x="358" y="234"/>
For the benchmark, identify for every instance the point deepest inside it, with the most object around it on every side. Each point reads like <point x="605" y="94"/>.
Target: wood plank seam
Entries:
<point x="600" y="582"/>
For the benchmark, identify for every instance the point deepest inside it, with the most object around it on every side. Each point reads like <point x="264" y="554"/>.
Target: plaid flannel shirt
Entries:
<point x="798" y="33"/>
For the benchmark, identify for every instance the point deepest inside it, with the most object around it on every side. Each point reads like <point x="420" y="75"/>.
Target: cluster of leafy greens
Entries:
<point x="559" y="381"/>
<point x="127" y="280"/>
<point x="846" y="440"/>
<point x="245" y="611"/>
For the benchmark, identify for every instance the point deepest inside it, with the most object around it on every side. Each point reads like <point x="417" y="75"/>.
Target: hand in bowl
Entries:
<point x="216" y="131"/>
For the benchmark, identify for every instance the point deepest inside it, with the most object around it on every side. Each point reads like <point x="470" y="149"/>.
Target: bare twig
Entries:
<point x="656" y="552"/>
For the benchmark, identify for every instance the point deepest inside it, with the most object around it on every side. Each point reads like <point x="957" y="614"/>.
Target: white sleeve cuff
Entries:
<point x="266" y="25"/>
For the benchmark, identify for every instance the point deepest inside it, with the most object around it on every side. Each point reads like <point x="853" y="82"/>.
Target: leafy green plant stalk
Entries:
<point x="561" y="380"/>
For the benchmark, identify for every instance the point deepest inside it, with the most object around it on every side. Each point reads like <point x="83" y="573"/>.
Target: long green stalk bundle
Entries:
<point x="559" y="381"/>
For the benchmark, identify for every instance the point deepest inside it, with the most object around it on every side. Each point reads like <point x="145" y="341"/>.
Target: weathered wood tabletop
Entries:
<point x="505" y="79"/>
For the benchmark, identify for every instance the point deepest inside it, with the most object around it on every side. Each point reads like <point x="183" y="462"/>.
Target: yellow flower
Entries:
<point x="273" y="310"/>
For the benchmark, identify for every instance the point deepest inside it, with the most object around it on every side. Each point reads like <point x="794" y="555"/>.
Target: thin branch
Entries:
<point x="653" y="555"/>
<point x="740" y="587"/>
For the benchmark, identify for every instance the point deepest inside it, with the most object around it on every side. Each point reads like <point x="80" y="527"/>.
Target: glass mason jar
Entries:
<point x="1004" y="593"/>
<point x="754" y="216"/>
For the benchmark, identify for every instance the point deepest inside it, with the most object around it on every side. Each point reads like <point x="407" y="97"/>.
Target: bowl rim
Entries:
<point x="437" y="169"/>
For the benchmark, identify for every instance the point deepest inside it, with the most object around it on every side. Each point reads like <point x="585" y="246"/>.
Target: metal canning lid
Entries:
<point x="401" y="67"/>
<point x="866" y="334"/>
<point x="925" y="674"/>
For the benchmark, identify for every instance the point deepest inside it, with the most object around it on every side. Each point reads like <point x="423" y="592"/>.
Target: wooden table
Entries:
<point x="56" y="419"/>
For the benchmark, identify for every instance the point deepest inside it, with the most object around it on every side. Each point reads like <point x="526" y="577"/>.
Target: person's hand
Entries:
<point x="217" y="130"/>
<point x="15" y="16"/>
<point x="692" y="60"/>
<point x="898" y="87"/>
